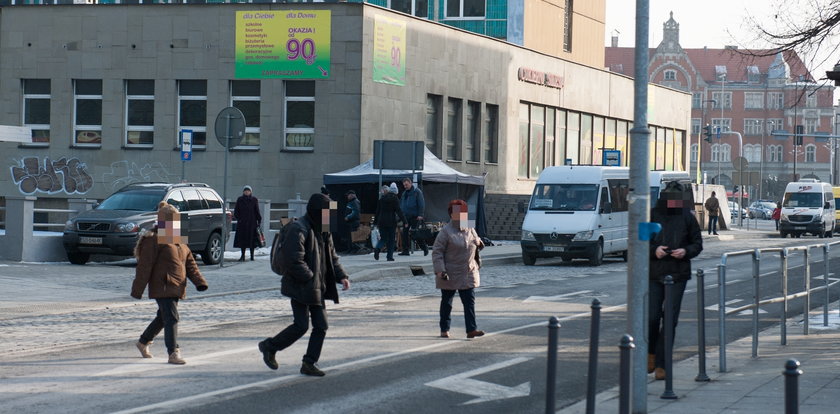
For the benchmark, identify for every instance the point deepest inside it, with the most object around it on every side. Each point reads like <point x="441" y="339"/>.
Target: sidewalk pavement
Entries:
<point x="751" y="385"/>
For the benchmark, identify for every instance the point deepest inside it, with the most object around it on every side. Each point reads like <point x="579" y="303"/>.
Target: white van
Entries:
<point x="807" y="207"/>
<point x="581" y="212"/>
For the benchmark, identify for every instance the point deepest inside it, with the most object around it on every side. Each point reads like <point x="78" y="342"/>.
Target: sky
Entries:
<point x="712" y="23"/>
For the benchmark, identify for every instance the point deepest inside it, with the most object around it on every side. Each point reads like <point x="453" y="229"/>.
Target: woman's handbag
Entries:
<point x="261" y="237"/>
<point x="477" y="258"/>
<point x="422" y="232"/>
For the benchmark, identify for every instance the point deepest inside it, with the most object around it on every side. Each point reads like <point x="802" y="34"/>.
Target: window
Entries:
<point x="300" y="115"/>
<point x="524" y="128"/>
<point x="619" y="195"/>
<point x="811" y="100"/>
<point x="715" y="153"/>
<point x="752" y="152"/>
<point x="210" y="197"/>
<point x="726" y="101"/>
<point x="465" y="8"/>
<point x="774" y="153"/>
<point x="192" y="110"/>
<point x="453" y="129"/>
<point x="419" y="8"/>
<point x="670" y="75"/>
<point x="537" y="162"/>
<point x="725" y="152"/>
<point x="245" y="96"/>
<point x="695" y="125"/>
<point x="36" y="109"/>
<point x="811" y="125"/>
<point x="753" y="100"/>
<point x="810" y="153"/>
<point x="775" y="100"/>
<point x="433" y="109"/>
<point x="568" y="13"/>
<point x="549" y="137"/>
<point x="473" y="121"/>
<point x="139" y="113"/>
<point x="774" y="124"/>
<point x="87" y="112"/>
<point x="753" y="126"/>
<point x="695" y="151"/>
<point x="697" y="99"/>
<point x="490" y="135"/>
<point x="724" y="123"/>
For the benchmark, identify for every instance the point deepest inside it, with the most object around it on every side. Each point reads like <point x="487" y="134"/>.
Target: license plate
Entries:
<point x="90" y="240"/>
<point x="554" y="248"/>
<point x="799" y="227"/>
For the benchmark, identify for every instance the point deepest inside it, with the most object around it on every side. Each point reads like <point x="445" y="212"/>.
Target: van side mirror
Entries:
<point x="606" y="208"/>
<point x="827" y="205"/>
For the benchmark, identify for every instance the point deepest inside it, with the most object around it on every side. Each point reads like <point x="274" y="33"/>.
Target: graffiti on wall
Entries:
<point x="123" y="173"/>
<point x="68" y="175"/>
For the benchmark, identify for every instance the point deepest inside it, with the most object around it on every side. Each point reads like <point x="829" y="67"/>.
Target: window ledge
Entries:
<point x="194" y="149"/>
<point x="138" y="147"/>
<point x="491" y="163"/>
<point x="474" y="162"/>
<point x="86" y="146"/>
<point x="245" y="149"/>
<point x="34" y="145"/>
<point x="297" y="150"/>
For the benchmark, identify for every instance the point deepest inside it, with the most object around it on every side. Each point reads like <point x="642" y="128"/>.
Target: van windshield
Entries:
<point x="564" y="197"/>
<point x="132" y="200"/>
<point x="803" y="200"/>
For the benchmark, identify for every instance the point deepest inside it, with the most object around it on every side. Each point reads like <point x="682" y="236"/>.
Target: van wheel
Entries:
<point x="597" y="256"/>
<point x="78" y="258"/>
<point x="528" y="259"/>
<point x="212" y="253"/>
<point x="566" y="259"/>
<point x="822" y="234"/>
<point x="783" y="234"/>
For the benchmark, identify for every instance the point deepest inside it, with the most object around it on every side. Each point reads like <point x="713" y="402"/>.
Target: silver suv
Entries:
<point x="113" y="227"/>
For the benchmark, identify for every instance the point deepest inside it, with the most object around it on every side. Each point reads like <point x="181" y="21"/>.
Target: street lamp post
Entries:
<point x="720" y="125"/>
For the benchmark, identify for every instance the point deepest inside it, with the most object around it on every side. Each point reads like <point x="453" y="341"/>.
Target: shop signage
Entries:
<point x="540" y="78"/>
<point x="389" y="51"/>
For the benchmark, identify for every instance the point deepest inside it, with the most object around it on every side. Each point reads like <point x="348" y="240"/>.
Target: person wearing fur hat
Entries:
<point x="248" y="220"/>
<point x="387" y="213"/>
<point x="164" y="263"/>
<point x="312" y="272"/>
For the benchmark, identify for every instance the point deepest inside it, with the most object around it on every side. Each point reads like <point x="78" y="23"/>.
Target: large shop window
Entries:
<point x="139" y="113"/>
<point x="524" y="127"/>
<point x="192" y="110"/>
<point x="36" y="109"/>
<point x="453" y="129"/>
<point x="573" y="138"/>
<point x="597" y="140"/>
<point x="490" y="135"/>
<point x="300" y="115"/>
<point x="245" y="96"/>
<point x="537" y="161"/>
<point x="586" y="139"/>
<point x="456" y="9"/>
<point x="550" y="139"/>
<point x="560" y="139"/>
<point x="87" y="112"/>
<point x="433" y="123"/>
<point x="419" y="8"/>
<point x="473" y="146"/>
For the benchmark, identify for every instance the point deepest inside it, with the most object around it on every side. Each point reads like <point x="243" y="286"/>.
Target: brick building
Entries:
<point x="740" y="92"/>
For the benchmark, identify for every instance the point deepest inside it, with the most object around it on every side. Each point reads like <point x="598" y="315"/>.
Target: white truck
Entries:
<point x="807" y="207"/>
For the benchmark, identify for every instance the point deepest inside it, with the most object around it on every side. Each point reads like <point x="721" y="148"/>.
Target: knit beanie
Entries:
<point x="393" y="188"/>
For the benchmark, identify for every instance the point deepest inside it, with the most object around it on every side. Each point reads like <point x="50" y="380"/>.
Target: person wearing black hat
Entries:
<point x="248" y="220"/>
<point x="353" y="218"/>
<point x="312" y="273"/>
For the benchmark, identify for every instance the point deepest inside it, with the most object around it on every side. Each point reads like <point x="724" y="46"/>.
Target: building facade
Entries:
<point x="760" y="97"/>
<point x="108" y="89"/>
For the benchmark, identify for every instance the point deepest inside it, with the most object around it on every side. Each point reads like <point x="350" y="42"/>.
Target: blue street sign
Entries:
<point x="718" y="132"/>
<point x="612" y="158"/>
<point x="186" y="144"/>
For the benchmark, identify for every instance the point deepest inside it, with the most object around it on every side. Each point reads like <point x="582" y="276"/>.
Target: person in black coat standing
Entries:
<point x="311" y="274"/>
<point x="248" y="219"/>
<point x="671" y="251"/>
<point x="387" y="212"/>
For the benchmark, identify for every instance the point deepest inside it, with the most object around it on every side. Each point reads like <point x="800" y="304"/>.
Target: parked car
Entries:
<point x="733" y="210"/>
<point x="113" y="227"/>
<point x="762" y="209"/>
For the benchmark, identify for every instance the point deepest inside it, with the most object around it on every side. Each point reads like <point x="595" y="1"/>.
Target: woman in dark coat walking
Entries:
<point x="248" y="219"/>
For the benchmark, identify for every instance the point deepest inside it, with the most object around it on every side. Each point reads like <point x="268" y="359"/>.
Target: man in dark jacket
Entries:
<point x="387" y="212"/>
<point x="312" y="272"/>
<point x="671" y="251"/>
<point x="352" y="218"/>
<point x="413" y="206"/>
<point x="248" y="220"/>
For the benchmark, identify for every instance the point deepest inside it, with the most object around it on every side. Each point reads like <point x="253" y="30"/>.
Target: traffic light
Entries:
<point x="735" y="190"/>
<point x="707" y="133"/>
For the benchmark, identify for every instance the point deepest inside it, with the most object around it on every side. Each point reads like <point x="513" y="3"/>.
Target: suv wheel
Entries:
<point x="213" y="251"/>
<point x="78" y="258"/>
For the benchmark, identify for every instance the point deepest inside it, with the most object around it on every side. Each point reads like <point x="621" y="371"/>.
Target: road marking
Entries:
<point x="186" y="401"/>
<point x="727" y="309"/>
<point x="149" y="364"/>
<point x="485" y="391"/>
<point x="555" y="298"/>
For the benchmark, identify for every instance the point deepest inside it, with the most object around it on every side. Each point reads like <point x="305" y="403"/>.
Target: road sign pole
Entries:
<point x="224" y="191"/>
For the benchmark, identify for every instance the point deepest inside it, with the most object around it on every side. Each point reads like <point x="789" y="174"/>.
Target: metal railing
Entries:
<point x="784" y="255"/>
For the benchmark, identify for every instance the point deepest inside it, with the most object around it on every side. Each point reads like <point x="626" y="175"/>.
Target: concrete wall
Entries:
<point x="544" y="30"/>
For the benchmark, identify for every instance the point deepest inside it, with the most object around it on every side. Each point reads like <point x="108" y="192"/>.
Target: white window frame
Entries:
<point x="694" y="152"/>
<point x="753" y="100"/>
<point x="715" y="153"/>
<point x="255" y="129"/>
<point x="726" y="152"/>
<point x="810" y="153"/>
<point x="697" y="99"/>
<point x="138" y="128"/>
<point x="287" y="131"/>
<point x="811" y="125"/>
<point x="35" y="127"/>
<point x="775" y="100"/>
<point x="194" y="128"/>
<point x="725" y="123"/>
<point x="753" y="126"/>
<point x="726" y="102"/>
<point x="811" y="100"/>
<point x="695" y="126"/>
<point x="77" y="127"/>
<point x="670" y="75"/>
<point x="774" y="123"/>
<point x="461" y="11"/>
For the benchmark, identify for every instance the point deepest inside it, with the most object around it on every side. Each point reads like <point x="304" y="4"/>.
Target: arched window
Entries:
<point x="715" y="152"/>
<point x="694" y="152"/>
<point x="670" y="75"/>
<point x="810" y="153"/>
<point x="726" y="152"/>
<point x="780" y="155"/>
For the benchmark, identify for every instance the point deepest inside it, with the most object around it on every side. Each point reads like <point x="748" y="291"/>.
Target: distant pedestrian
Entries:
<point x="388" y="214"/>
<point x="777" y="214"/>
<point x="713" y="209"/>
<point x="413" y="205"/>
<point x="312" y="272"/>
<point x="352" y="217"/>
<point x="164" y="263"/>
<point x="248" y="220"/>
<point x="456" y="267"/>
<point x="671" y="251"/>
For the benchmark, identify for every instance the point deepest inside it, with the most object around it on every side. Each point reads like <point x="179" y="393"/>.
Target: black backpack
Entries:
<point x="277" y="262"/>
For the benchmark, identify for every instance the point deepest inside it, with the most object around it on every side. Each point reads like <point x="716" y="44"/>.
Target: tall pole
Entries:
<point x="720" y="124"/>
<point x="224" y="192"/>
<point x="639" y="212"/>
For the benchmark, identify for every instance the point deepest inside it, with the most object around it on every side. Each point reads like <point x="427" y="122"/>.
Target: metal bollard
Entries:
<point x="792" y="373"/>
<point x="756" y="262"/>
<point x="668" y="394"/>
<point x="806" y="325"/>
<point x="595" y="327"/>
<point x="783" y="316"/>
<point x="625" y="369"/>
<point x="701" y="329"/>
<point x="826" y="267"/>
<point x="550" y="383"/>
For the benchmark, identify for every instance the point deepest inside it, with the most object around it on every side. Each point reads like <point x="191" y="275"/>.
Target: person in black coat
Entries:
<point x="671" y="251"/>
<point x="248" y="219"/>
<point x="387" y="212"/>
<point x="312" y="272"/>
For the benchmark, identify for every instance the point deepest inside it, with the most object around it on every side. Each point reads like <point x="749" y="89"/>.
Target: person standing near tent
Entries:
<point x="387" y="212"/>
<point x="413" y="206"/>
<point x="353" y="218"/>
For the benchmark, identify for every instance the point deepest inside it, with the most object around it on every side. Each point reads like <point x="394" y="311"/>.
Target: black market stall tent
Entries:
<point x="439" y="182"/>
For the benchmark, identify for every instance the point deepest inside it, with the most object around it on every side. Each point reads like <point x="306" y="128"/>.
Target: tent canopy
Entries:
<point x="433" y="170"/>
